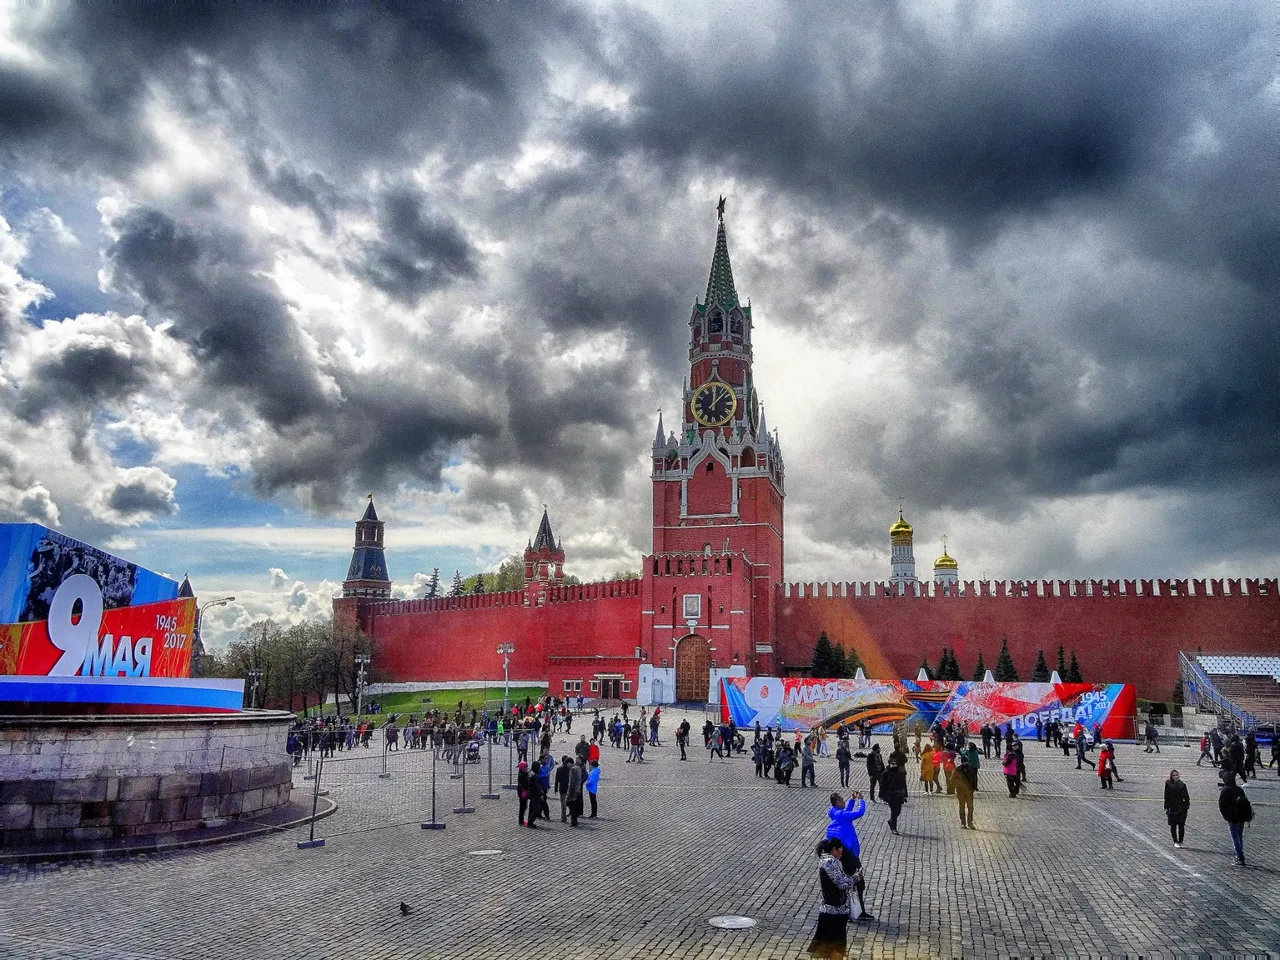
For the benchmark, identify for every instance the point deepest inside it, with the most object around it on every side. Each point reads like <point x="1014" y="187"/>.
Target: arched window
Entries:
<point x="717" y="322"/>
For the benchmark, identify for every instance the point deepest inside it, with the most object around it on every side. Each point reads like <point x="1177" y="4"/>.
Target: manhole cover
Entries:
<point x="732" y="923"/>
<point x="484" y="853"/>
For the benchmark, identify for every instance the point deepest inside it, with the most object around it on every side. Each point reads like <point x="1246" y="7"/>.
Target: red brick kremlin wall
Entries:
<point x="456" y="638"/>
<point x="1120" y="631"/>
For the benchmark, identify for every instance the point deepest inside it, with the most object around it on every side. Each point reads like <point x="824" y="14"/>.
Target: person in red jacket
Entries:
<point x="1105" y="767"/>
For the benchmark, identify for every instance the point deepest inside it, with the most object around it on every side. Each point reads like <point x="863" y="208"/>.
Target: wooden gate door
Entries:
<point x="693" y="666"/>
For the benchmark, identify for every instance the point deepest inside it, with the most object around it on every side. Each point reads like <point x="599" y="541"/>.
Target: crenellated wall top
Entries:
<point x="1016" y="589"/>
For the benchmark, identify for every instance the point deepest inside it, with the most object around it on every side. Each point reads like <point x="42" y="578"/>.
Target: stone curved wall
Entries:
<point x="98" y="778"/>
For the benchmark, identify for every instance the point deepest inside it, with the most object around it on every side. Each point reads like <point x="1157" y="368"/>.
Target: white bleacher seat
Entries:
<point x="1240" y="665"/>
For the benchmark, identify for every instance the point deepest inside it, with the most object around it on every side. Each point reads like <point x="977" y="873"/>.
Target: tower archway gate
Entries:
<point x="693" y="668"/>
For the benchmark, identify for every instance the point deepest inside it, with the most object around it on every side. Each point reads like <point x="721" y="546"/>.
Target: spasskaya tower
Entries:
<point x="718" y="484"/>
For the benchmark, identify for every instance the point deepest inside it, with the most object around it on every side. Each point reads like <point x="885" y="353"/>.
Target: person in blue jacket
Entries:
<point x="593" y="784"/>
<point x="841" y="816"/>
<point x="544" y="779"/>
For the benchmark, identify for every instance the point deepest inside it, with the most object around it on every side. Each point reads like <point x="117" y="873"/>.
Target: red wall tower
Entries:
<point x="717" y="501"/>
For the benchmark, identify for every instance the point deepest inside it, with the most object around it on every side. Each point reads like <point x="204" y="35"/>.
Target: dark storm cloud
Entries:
<point x="292" y="186"/>
<point x="84" y="376"/>
<point x="50" y="117"/>
<point x="417" y="250"/>
<point x="233" y="320"/>
<point x="962" y="128"/>
<point x="876" y="124"/>
<point x="141" y="500"/>
<point x="345" y="85"/>
<point x="378" y="434"/>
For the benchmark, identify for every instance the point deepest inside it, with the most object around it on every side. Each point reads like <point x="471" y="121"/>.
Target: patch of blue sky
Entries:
<point x="69" y="271"/>
<point x="212" y="500"/>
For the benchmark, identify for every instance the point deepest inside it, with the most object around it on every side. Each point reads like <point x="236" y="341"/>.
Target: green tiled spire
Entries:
<point x="720" y="287"/>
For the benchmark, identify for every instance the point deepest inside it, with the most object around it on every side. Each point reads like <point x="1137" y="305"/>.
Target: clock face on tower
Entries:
<point x="714" y="404"/>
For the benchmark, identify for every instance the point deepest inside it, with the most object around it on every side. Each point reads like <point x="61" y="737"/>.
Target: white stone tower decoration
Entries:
<point x="945" y="569"/>
<point x="902" y="559"/>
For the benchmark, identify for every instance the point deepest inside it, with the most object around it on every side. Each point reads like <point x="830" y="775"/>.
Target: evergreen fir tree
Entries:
<point x="928" y="671"/>
<point x="1073" y="671"/>
<point x="839" y="667"/>
<point x="953" y="666"/>
<point x="1005" y="671"/>
<point x="1062" y="663"/>
<point x="432" y="589"/>
<point x="823" y="658"/>
<point x="479" y="584"/>
<point x="1040" y="672"/>
<point x="980" y="669"/>
<point x="852" y="662"/>
<point x="457" y="588"/>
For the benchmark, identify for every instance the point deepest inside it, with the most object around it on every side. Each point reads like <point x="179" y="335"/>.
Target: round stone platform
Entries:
<point x="101" y="778"/>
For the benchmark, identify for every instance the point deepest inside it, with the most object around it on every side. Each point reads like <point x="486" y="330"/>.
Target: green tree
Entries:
<point x="1179" y="696"/>
<point x="624" y="575"/>
<point x="509" y="576"/>
<point x="432" y="589"/>
<point x="1062" y="663"/>
<point x="839" y="664"/>
<point x="256" y="649"/>
<point x="1005" y="671"/>
<point x="948" y="666"/>
<point x="1040" y="672"/>
<point x="1073" y="671"/>
<point x="293" y="664"/>
<point x="979" y="669"/>
<point x="478" y="586"/>
<point x="458" y="587"/>
<point x="851" y="661"/>
<point x="824" y="662"/>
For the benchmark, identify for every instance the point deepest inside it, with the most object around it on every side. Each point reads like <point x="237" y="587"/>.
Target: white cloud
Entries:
<point x="45" y="221"/>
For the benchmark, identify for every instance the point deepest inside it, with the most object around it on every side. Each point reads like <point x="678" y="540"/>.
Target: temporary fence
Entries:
<point x="382" y="786"/>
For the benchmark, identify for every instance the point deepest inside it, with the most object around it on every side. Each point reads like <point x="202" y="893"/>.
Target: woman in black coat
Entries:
<point x="1176" y="804"/>
<point x="893" y="790"/>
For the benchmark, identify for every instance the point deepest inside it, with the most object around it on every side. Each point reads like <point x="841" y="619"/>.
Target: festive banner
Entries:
<point x="793" y="703"/>
<point x="34" y="562"/>
<point x="74" y="610"/>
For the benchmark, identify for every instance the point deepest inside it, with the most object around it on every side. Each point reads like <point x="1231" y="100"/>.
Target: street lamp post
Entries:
<point x="362" y="662"/>
<point x="255" y="677"/>
<point x="506" y="649"/>
<point x="200" y="618"/>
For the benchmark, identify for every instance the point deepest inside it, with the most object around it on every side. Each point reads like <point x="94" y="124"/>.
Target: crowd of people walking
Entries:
<point x="948" y="759"/>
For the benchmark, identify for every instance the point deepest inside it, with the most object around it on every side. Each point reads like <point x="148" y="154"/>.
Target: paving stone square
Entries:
<point x="1066" y="870"/>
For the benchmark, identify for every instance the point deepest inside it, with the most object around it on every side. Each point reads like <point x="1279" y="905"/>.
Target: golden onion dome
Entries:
<point x="945" y="562"/>
<point x="900" y="528"/>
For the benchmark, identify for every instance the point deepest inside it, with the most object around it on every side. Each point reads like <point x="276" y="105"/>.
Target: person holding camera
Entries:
<point x="840" y="827"/>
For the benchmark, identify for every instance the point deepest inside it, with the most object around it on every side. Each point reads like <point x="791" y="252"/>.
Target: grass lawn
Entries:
<point x="411" y="701"/>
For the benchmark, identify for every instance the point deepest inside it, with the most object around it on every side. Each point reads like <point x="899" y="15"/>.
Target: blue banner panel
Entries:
<point x="34" y="561"/>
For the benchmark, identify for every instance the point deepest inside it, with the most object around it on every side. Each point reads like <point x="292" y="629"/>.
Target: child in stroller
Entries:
<point x="473" y="751"/>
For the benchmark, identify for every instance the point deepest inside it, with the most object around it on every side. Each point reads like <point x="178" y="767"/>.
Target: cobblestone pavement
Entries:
<point x="1067" y="870"/>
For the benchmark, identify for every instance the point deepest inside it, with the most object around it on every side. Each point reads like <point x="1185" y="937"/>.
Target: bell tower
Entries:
<point x="718" y="479"/>
<point x="367" y="575"/>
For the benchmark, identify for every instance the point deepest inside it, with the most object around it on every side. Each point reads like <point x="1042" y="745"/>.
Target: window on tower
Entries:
<point x="735" y="328"/>
<point x="717" y="323"/>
